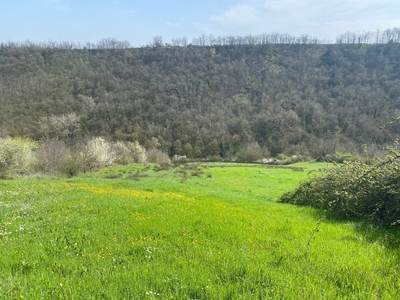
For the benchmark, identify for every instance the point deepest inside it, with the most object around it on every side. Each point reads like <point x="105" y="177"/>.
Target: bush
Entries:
<point x="123" y="155"/>
<point x="51" y="156"/>
<point x="282" y="156"/>
<point x="127" y="153"/>
<point x="179" y="159"/>
<point x="157" y="156"/>
<point x="17" y="156"/>
<point x="355" y="190"/>
<point x="249" y="155"/>
<point x="138" y="152"/>
<point x="214" y="158"/>
<point x="101" y="152"/>
<point x="73" y="164"/>
<point x="338" y="157"/>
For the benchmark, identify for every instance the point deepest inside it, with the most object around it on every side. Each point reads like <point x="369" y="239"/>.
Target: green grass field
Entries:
<point x="205" y="231"/>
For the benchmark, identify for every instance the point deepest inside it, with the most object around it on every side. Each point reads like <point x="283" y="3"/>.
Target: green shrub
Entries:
<point x="282" y="156"/>
<point x="214" y="158"/>
<point x="73" y="164"/>
<point x="338" y="157"/>
<point x="355" y="190"/>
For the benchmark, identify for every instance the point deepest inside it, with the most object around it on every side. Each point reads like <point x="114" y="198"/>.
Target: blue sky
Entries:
<point x="138" y="21"/>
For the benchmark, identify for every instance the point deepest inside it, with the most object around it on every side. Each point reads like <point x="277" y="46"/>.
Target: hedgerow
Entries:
<point x="355" y="190"/>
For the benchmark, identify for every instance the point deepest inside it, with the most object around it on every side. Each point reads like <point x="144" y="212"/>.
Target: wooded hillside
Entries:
<point x="204" y="101"/>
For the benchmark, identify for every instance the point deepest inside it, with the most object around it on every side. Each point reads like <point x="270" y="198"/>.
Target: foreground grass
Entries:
<point x="190" y="232"/>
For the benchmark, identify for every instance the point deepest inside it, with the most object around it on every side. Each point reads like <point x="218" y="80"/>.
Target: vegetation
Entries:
<point x="200" y="231"/>
<point x="355" y="190"/>
<point x="214" y="97"/>
<point x="17" y="156"/>
<point x="174" y="232"/>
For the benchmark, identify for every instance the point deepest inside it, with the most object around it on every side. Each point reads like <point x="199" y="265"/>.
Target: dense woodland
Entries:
<point x="213" y="97"/>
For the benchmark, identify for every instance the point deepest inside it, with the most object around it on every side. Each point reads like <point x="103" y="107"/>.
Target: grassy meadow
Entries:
<point x="193" y="231"/>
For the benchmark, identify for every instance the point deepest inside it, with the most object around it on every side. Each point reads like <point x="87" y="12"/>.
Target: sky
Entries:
<point x="138" y="21"/>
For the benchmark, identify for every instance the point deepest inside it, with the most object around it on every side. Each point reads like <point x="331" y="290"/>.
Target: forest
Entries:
<point x="211" y="98"/>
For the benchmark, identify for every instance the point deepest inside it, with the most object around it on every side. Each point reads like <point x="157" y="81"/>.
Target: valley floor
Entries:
<point x="190" y="231"/>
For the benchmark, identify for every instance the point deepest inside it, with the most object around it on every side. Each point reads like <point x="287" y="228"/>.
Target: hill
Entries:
<point x="202" y="101"/>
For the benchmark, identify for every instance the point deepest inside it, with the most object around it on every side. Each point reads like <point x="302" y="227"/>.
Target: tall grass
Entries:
<point x="167" y="234"/>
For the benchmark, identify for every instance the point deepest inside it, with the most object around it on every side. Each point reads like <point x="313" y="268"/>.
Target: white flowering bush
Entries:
<point x="138" y="152"/>
<point x="101" y="151"/>
<point x="17" y="156"/>
<point x="122" y="153"/>
<point x="61" y="126"/>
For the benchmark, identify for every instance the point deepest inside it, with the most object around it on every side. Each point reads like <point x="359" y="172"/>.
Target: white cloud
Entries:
<point x="324" y="19"/>
<point x="238" y="15"/>
<point x="132" y="11"/>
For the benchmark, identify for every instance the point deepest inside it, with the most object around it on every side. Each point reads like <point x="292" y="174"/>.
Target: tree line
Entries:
<point x="350" y="37"/>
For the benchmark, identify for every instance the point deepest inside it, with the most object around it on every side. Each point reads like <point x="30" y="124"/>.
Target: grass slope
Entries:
<point x="211" y="231"/>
